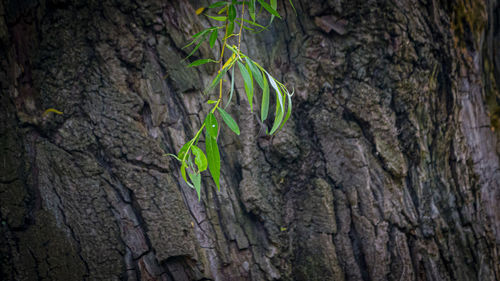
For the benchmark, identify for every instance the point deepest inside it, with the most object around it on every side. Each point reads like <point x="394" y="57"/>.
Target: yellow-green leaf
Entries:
<point x="200" y="159"/>
<point x="51" y="110"/>
<point x="217" y="18"/>
<point x="199" y="10"/>
<point x="196" y="179"/>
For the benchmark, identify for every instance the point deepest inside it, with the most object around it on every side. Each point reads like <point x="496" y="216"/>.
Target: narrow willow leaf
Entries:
<point x="270" y="9"/>
<point x="200" y="159"/>
<point x="288" y="111"/>
<point x="247" y="79"/>
<point x="256" y="74"/>
<point x="217" y="78"/>
<point x="251" y="86"/>
<point x="229" y="121"/>
<point x="277" y="120"/>
<point x="199" y="34"/>
<point x="264" y="108"/>
<point x="251" y="9"/>
<point x="213" y="37"/>
<point x="183" y="173"/>
<point x="197" y="37"/>
<point x="248" y="28"/>
<point x="232" y="88"/>
<point x="222" y="10"/>
<point x="217" y="18"/>
<point x="211" y="101"/>
<point x="200" y="62"/>
<point x="277" y="90"/>
<point x="230" y="28"/>
<point x="213" y="158"/>
<point x="184" y="148"/>
<point x="293" y="7"/>
<point x="231" y="13"/>
<point x="229" y="61"/>
<point x="274" y="4"/>
<point x="211" y="125"/>
<point x="217" y="4"/>
<point x="197" y="46"/>
<point x="250" y="22"/>
<point x="196" y="179"/>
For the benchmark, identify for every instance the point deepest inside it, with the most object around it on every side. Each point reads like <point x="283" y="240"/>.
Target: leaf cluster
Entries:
<point x="231" y="15"/>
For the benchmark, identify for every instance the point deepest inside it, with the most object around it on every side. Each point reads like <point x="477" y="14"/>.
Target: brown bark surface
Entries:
<point x="388" y="169"/>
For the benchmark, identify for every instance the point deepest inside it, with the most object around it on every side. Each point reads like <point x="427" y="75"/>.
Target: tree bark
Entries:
<point x="387" y="170"/>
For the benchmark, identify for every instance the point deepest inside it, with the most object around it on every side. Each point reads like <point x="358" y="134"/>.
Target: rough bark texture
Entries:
<point x="387" y="170"/>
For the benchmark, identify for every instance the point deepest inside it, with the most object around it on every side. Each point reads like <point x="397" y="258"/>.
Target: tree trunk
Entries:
<point x="387" y="170"/>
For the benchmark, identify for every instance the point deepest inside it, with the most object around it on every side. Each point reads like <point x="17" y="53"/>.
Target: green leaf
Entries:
<point x="264" y="108"/>
<point x="211" y="101"/>
<point x="211" y="125"/>
<point x="277" y="119"/>
<point x="252" y="23"/>
<point x="288" y="111"/>
<point x="270" y="9"/>
<point x="213" y="158"/>
<point x="213" y="37"/>
<point x="277" y="90"/>
<point x="248" y="28"/>
<point x="218" y="78"/>
<point x="222" y="10"/>
<point x="217" y="18"/>
<point x="256" y="74"/>
<point x="196" y="179"/>
<point x="229" y="121"/>
<point x="200" y="159"/>
<point x="232" y="88"/>
<point x="197" y="45"/>
<point x="199" y="34"/>
<point x="230" y="28"/>
<point x="251" y="9"/>
<point x="196" y="38"/>
<point x="231" y="13"/>
<point x="183" y="173"/>
<point x="184" y="148"/>
<point x="293" y="7"/>
<point x="247" y="79"/>
<point x="217" y="4"/>
<point x="200" y="62"/>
